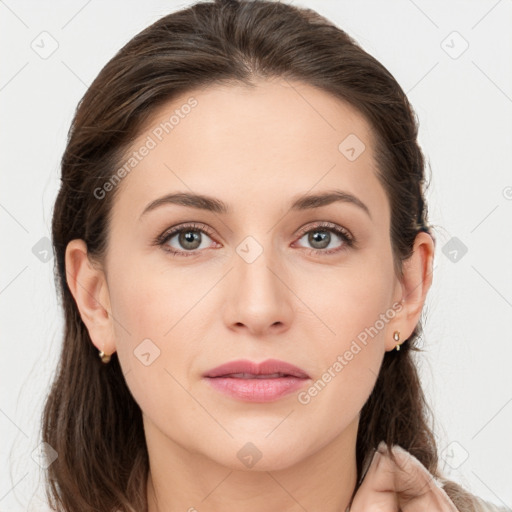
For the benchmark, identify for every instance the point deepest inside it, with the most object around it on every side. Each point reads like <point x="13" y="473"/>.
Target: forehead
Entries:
<point x="248" y="144"/>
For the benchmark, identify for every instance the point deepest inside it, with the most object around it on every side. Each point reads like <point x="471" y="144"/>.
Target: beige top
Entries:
<point x="485" y="506"/>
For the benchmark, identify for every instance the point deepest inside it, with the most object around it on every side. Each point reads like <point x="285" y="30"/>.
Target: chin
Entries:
<point x="258" y="454"/>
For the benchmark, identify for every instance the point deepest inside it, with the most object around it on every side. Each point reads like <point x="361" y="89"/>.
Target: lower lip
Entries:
<point x="257" y="390"/>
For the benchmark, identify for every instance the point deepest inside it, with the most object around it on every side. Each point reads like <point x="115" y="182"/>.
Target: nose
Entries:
<point x="259" y="299"/>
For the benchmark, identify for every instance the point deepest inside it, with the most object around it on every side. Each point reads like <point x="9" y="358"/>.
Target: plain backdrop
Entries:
<point x="452" y="58"/>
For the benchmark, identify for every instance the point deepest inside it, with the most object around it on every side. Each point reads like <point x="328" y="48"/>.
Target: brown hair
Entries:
<point x="90" y="416"/>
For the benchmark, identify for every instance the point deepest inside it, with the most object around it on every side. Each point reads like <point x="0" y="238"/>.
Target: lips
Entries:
<point x="249" y="381"/>
<point x="245" y="369"/>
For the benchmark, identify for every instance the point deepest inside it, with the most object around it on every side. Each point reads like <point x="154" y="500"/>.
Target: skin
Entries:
<point x="403" y="485"/>
<point x="254" y="149"/>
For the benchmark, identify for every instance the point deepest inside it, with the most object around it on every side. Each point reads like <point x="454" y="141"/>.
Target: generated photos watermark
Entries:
<point x="342" y="360"/>
<point x="157" y="135"/>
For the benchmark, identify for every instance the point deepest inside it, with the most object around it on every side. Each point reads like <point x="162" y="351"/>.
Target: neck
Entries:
<point x="181" y="480"/>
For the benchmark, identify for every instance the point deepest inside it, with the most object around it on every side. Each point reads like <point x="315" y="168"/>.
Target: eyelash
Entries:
<point x="344" y="234"/>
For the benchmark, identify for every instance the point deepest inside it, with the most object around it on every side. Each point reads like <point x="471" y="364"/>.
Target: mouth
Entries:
<point x="245" y="369"/>
<point x="252" y="382"/>
<point x="253" y="376"/>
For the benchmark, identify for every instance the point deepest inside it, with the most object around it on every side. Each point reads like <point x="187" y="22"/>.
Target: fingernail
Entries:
<point x="398" y="448"/>
<point x="382" y="447"/>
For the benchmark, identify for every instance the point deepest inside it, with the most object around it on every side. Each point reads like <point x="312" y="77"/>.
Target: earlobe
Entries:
<point x="415" y="284"/>
<point x="89" y="288"/>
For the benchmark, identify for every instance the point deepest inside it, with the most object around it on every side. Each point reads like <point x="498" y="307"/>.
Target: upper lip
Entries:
<point x="267" y="367"/>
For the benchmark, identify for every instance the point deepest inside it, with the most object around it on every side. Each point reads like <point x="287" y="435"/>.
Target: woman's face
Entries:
<point x="258" y="281"/>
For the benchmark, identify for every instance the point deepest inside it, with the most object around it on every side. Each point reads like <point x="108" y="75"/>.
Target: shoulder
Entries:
<point x="485" y="506"/>
<point x="467" y="502"/>
<point x="463" y="500"/>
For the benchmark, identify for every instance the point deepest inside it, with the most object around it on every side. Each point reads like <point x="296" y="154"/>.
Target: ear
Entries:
<point x="412" y="288"/>
<point x="89" y="288"/>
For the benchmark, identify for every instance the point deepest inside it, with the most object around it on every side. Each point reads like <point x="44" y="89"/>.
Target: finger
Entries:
<point x="416" y="487"/>
<point x="404" y="485"/>
<point x="376" y="493"/>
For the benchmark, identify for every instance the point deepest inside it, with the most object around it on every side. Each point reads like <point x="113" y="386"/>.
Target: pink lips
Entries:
<point x="253" y="382"/>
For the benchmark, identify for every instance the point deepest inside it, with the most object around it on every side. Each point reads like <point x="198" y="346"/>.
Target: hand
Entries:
<point x="388" y="487"/>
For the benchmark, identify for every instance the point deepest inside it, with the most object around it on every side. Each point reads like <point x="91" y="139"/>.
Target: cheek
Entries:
<point x="153" y="304"/>
<point x="355" y="310"/>
<point x="147" y="313"/>
<point x="352" y="300"/>
<point x="347" y="366"/>
<point x="160" y="325"/>
<point x="351" y="357"/>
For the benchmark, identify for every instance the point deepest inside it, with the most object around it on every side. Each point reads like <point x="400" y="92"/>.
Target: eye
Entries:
<point x="320" y="237"/>
<point x="189" y="238"/>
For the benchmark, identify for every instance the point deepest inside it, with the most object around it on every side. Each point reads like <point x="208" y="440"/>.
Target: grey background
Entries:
<point x="454" y="61"/>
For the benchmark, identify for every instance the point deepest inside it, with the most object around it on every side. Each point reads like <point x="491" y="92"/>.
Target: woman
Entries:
<point x="241" y="236"/>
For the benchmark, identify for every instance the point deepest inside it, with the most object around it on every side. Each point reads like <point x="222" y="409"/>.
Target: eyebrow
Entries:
<point x="301" y="203"/>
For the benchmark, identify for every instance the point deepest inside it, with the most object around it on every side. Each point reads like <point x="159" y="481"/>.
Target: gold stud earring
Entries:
<point x="105" y="358"/>
<point x="396" y="337"/>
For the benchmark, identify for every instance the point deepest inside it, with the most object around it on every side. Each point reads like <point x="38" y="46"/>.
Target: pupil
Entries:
<point x="322" y="237"/>
<point x="188" y="237"/>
